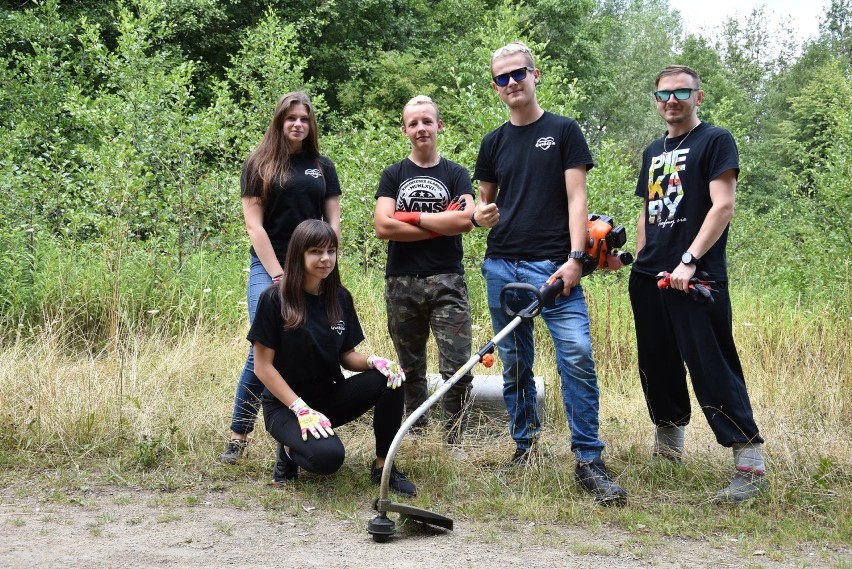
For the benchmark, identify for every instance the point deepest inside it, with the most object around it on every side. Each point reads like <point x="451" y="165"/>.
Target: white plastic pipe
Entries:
<point x="487" y="394"/>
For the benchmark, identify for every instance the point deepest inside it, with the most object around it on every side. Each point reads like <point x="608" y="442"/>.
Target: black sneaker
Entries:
<point x="398" y="481"/>
<point x="745" y="485"/>
<point x="233" y="451"/>
<point x="523" y="456"/>
<point x="286" y="469"/>
<point x="595" y="479"/>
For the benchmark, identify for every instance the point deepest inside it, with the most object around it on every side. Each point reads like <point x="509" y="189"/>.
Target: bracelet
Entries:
<point x="473" y="220"/>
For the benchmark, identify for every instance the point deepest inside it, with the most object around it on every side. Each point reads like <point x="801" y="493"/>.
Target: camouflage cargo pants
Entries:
<point x="440" y="303"/>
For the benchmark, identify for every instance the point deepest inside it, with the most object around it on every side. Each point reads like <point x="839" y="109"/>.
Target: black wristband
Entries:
<point x="473" y="220"/>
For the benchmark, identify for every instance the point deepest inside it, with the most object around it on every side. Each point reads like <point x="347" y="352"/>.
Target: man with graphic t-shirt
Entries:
<point x="533" y="170"/>
<point x="423" y="205"/>
<point x="687" y="182"/>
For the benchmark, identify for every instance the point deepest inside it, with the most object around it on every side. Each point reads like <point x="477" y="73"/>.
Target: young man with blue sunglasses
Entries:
<point x="533" y="168"/>
<point x="687" y="183"/>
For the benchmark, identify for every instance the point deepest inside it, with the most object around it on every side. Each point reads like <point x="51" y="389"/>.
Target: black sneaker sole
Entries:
<point x="611" y="500"/>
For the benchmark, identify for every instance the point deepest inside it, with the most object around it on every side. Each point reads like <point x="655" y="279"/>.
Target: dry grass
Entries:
<point x="152" y="408"/>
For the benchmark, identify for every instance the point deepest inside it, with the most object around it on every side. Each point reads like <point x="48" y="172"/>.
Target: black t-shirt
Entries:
<point x="308" y="358"/>
<point x="528" y="165"/>
<point x="310" y="183"/>
<point x="424" y="190"/>
<point x="676" y="188"/>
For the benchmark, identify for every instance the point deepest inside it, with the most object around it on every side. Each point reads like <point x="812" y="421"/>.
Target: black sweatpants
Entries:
<point x="673" y="330"/>
<point x="349" y="399"/>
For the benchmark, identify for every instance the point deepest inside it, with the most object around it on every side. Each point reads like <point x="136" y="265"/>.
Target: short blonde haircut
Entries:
<point x="421" y="100"/>
<point x="511" y="49"/>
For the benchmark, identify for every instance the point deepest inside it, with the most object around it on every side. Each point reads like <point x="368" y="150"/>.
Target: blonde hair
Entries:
<point x="421" y="100"/>
<point x="511" y="49"/>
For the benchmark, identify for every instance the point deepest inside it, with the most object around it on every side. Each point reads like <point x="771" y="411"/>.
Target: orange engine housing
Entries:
<point x="602" y="239"/>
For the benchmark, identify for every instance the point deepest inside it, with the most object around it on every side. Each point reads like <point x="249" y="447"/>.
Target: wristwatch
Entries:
<point x="579" y="255"/>
<point x="689" y="259"/>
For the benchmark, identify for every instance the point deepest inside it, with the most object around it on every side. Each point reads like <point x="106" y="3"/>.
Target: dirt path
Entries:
<point x="127" y="528"/>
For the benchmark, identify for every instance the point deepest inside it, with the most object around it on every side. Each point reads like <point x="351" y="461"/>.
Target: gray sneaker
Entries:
<point x="233" y="451"/>
<point x="457" y="452"/>
<point x="744" y="486"/>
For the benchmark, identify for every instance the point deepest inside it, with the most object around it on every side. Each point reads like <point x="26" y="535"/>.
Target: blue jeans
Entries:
<point x="568" y="323"/>
<point x="249" y="387"/>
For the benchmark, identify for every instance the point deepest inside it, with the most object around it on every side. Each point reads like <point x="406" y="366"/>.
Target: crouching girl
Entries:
<point x="304" y="331"/>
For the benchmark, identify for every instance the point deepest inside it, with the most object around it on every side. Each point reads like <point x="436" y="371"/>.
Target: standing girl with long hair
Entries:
<point x="304" y="331"/>
<point x="285" y="180"/>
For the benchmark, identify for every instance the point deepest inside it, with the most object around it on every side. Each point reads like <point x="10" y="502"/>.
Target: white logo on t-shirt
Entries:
<point x="313" y="172"/>
<point x="545" y="143"/>
<point x="340" y="328"/>
<point x="423" y="194"/>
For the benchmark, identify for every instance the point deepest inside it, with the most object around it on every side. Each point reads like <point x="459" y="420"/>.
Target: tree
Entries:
<point x="270" y="62"/>
<point x="38" y="66"/>
<point x="814" y="126"/>
<point x="636" y="40"/>
<point x="835" y="30"/>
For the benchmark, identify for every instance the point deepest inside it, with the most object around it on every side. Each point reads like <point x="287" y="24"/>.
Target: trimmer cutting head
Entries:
<point x="382" y="528"/>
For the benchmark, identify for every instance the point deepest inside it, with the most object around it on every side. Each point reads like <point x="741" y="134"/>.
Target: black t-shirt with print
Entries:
<point x="528" y="165"/>
<point x="308" y="358"/>
<point x="425" y="190"/>
<point x="310" y="183"/>
<point x="676" y="188"/>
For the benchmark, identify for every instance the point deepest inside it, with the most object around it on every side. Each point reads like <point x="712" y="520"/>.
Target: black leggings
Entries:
<point x="672" y="329"/>
<point x="349" y="399"/>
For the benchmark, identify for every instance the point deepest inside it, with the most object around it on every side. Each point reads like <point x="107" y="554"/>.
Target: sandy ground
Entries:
<point x="117" y="527"/>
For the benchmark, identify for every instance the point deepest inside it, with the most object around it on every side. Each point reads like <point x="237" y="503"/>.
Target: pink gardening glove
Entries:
<point x="311" y="421"/>
<point x="388" y="368"/>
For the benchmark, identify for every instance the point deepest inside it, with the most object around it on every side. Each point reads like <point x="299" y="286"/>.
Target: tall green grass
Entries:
<point x="102" y="387"/>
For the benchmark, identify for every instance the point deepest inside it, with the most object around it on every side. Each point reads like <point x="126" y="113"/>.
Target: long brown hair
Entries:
<point x="309" y="233"/>
<point x="269" y="162"/>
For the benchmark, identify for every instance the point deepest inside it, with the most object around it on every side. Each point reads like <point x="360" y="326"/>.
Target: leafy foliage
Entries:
<point x="124" y="125"/>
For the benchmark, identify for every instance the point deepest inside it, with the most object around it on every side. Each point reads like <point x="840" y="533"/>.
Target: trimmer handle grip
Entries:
<point x="544" y="297"/>
<point x="550" y="292"/>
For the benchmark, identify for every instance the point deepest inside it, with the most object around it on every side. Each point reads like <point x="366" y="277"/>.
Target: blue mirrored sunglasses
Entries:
<point x="518" y="75"/>
<point x="680" y="94"/>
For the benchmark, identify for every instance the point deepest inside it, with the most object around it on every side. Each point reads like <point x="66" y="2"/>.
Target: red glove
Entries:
<point x="413" y="218"/>
<point x="410" y="217"/>
<point x="458" y="204"/>
<point x="700" y="289"/>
